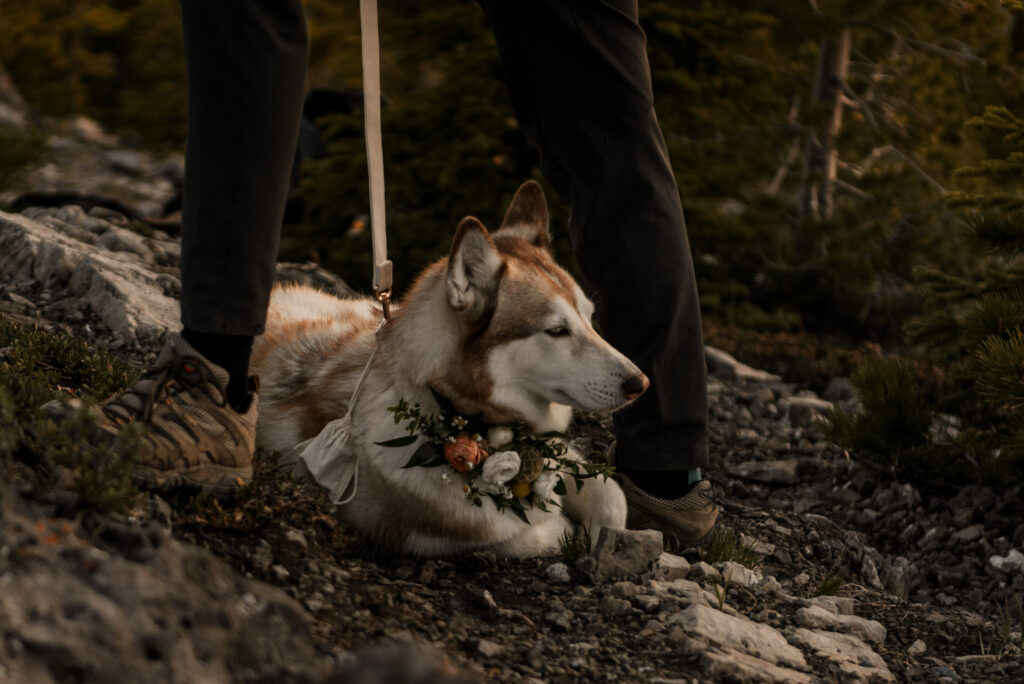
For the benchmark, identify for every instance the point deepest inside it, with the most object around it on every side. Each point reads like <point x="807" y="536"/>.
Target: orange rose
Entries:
<point x="465" y="453"/>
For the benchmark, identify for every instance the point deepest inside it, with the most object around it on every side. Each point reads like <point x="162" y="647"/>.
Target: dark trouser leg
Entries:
<point x="580" y="83"/>
<point x="246" y="66"/>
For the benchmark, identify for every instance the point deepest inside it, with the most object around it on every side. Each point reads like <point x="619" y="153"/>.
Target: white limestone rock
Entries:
<point x="735" y="574"/>
<point x="817" y="617"/>
<point x="723" y="363"/>
<point x="117" y="286"/>
<point x="1011" y="562"/>
<point x="737" y="634"/>
<point x="624" y="554"/>
<point x="842" y="605"/>
<point x="782" y="471"/>
<point x="670" y="567"/>
<point x="735" y="666"/>
<point x="705" y="572"/>
<point x="855" y="659"/>
<point x="558" y="572"/>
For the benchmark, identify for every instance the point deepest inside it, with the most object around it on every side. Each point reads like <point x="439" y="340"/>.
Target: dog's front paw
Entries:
<point x="603" y="506"/>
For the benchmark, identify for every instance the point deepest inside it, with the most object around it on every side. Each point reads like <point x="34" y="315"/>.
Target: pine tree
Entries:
<point x="55" y="49"/>
<point x="973" y="330"/>
<point x="976" y="324"/>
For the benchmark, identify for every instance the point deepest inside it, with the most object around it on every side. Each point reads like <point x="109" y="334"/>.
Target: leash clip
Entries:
<point x="384" y="297"/>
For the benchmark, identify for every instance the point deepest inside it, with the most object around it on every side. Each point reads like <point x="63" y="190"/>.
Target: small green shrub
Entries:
<point x="18" y="149"/>
<point x="36" y="367"/>
<point x="894" y="416"/>
<point x="972" y="326"/>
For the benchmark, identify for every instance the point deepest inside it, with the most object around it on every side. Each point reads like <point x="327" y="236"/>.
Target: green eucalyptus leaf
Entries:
<point x="520" y="513"/>
<point x="427" y="455"/>
<point x="447" y="407"/>
<point x="399" y="441"/>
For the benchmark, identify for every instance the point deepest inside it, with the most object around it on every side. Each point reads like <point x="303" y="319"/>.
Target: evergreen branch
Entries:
<point x="1002" y="201"/>
<point x="1001" y="370"/>
<point x="939" y="283"/>
<point x="1002" y="232"/>
<point x="1000" y="120"/>
<point x="1011" y="165"/>
<point x="997" y="313"/>
<point x="939" y="333"/>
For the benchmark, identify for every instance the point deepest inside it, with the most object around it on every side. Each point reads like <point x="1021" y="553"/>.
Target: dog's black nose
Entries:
<point x="635" y="385"/>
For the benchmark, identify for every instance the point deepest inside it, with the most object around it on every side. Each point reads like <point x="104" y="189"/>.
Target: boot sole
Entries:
<point x="642" y="518"/>
<point x="220" y="482"/>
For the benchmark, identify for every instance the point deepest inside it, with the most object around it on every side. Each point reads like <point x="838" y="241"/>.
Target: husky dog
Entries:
<point x="499" y="329"/>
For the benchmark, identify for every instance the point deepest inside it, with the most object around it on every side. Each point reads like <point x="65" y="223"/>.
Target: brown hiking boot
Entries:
<point x="685" y="520"/>
<point x="194" y="438"/>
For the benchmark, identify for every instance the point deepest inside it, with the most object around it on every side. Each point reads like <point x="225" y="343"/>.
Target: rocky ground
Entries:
<point x="825" y="567"/>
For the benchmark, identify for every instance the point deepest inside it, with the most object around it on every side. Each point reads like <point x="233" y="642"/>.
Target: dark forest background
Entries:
<point x="850" y="172"/>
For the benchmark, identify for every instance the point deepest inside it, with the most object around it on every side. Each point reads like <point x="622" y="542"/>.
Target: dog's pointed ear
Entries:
<point x="474" y="269"/>
<point x="527" y="216"/>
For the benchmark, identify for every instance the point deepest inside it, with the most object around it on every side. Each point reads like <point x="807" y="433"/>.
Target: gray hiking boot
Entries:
<point x="194" y="438"/>
<point x="685" y="520"/>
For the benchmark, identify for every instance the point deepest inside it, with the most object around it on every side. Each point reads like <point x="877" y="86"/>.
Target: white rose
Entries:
<point x="496" y="471"/>
<point x="544" y="485"/>
<point x="488" y="488"/>
<point x="499" y="436"/>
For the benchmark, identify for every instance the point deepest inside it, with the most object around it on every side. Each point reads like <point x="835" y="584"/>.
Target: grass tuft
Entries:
<point x="575" y="544"/>
<point x="725" y="545"/>
<point x="829" y="585"/>
<point x="720" y="593"/>
<point x="1006" y="617"/>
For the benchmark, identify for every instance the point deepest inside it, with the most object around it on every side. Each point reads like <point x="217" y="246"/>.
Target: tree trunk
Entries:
<point x="817" y="202"/>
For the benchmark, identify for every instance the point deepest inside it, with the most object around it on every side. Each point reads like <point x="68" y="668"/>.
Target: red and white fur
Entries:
<point x="496" y="326"/>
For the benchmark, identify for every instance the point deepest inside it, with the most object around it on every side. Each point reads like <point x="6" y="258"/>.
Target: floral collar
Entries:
<point x="508" y="463"/>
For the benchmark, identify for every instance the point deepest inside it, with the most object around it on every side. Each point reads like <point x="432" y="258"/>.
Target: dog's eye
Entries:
<point x="558" y="331"/>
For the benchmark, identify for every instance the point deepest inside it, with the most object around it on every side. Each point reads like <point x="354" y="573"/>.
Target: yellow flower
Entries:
<point x="521" y="490"/>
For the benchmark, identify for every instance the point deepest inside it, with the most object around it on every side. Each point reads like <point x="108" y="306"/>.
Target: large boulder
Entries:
<point x="71" y="259"/>
<point x="71" y="611"/>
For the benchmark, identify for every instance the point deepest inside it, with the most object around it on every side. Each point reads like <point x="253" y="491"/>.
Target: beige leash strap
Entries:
<point x="375" y="151"/>
<point x="327" y="456"/>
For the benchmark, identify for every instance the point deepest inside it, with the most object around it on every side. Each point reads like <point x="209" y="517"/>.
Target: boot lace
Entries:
<point x="182" y="374"/>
